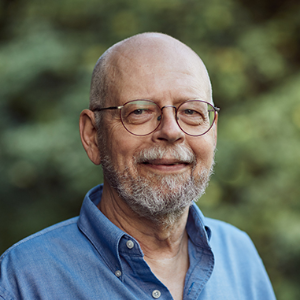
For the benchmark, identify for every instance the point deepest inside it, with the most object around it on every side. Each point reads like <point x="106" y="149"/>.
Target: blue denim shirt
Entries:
<point x="88" y="257"/>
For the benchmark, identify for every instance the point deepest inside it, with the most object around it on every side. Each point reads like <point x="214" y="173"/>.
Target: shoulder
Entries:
<point x="218" y="232"/>
<point x="222" y="226"/>
<point x="234" y="250"/>
<point x="33" y="255"/>
<point x="224" y="231"/>
<point x="238" y="265"/>
<point x="41" y="242"/>
<point x="229" y="238"/>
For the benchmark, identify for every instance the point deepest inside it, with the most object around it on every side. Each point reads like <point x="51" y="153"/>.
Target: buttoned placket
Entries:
<point x="134" y="260"/>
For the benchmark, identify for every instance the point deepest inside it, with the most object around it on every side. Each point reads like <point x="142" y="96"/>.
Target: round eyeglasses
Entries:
<point x="142" y="117"/>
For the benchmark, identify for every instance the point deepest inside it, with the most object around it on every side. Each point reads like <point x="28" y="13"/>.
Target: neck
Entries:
<point x="162" y="237"/>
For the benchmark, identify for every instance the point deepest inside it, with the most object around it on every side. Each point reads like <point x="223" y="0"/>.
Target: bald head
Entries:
<point x="139" y="55"/>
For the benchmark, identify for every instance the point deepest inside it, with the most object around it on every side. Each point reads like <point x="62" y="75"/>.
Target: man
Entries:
<point x="152" y="125"/>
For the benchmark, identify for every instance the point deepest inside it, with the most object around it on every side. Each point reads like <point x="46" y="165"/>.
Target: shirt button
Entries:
<point x="156" y="294"/>
<point x="118" y="273"/>
<point x="129" y="244"/>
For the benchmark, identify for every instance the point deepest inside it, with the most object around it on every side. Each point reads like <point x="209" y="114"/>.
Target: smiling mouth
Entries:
<point x="165" y="163"/>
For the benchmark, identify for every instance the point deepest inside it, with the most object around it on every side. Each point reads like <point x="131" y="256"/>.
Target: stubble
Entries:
<point x="159" y="198"/>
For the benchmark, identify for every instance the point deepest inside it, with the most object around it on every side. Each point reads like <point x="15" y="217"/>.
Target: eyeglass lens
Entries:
<point x="141" y="117"/>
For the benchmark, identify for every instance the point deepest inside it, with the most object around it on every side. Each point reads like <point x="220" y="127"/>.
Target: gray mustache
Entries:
<point x="178" y="152"/>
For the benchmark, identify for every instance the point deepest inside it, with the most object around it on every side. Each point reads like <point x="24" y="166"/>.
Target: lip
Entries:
<point x="166" y="165"/>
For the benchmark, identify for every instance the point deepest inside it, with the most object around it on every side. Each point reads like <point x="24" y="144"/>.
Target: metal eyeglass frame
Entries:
<point x="216" y="109"/>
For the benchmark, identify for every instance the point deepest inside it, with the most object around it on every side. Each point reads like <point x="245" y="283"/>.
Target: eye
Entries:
<point x="189" y="112"/>
<point x="138" y="111"/>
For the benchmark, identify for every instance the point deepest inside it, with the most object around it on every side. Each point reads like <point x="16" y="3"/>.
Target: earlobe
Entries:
<point x="88" y="135"/>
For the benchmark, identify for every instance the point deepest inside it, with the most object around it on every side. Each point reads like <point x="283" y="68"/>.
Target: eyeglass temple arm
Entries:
<point x="215" y="108"/>
<point x="112" y="107"/>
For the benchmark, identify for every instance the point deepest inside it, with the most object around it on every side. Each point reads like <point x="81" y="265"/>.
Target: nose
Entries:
<point x="168" y="129"/>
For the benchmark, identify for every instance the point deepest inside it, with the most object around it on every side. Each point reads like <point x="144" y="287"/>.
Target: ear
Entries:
<point x="88" y="135"/>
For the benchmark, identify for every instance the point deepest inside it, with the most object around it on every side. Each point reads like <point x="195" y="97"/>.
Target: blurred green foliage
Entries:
<point x="251" y="49"/>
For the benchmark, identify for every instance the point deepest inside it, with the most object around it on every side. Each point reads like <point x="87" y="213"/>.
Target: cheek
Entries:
<point x="204" y="151"/>
<point x="122" y="147"/>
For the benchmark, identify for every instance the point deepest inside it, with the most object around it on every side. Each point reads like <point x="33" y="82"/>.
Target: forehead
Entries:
<point x="155" y="71"/>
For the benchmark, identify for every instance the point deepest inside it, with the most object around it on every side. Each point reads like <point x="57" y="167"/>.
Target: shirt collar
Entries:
<point x="105" y="236"/>
<point x="102" y="233"/>
<point x="198" y="232"/>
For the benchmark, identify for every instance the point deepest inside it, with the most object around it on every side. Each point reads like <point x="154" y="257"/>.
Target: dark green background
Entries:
<point x="251" y="49"/>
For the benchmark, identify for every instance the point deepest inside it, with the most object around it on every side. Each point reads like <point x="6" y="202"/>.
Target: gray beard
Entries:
<point x="159" y="198"/>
